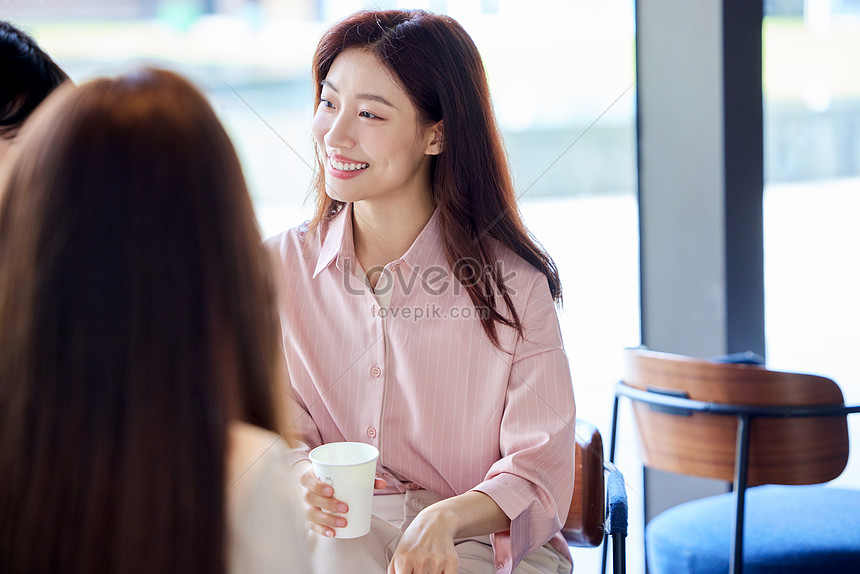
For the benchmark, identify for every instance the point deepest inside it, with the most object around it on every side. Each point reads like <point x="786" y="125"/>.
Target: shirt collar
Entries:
<point x="336" y="240"/>
<point x="428" y="248"/>
<point x="337" y="244"/>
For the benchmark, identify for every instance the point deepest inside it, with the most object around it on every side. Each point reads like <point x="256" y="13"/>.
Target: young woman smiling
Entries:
<point x="472" y="412"/>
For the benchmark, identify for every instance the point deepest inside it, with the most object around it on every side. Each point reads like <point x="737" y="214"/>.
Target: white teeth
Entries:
<point x="348" y="166"/>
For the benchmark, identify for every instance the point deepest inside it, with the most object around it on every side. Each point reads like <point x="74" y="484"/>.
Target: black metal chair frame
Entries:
<point x="745" y="413"/>
<point x="616" y="519"/>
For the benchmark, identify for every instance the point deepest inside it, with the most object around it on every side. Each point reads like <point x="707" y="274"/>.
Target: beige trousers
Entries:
<point x="392" y="514"/>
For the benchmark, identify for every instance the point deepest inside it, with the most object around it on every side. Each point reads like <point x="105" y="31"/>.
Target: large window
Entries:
<point x="812" y="193"/>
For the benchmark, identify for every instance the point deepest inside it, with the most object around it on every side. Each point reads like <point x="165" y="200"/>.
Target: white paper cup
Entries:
<point x="350" y="468"/>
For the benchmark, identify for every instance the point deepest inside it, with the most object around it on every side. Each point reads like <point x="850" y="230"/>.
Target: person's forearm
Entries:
<point x="469" y="514"/>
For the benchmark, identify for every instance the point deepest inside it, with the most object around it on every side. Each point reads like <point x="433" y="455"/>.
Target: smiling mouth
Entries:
<point x="347" y="166"/>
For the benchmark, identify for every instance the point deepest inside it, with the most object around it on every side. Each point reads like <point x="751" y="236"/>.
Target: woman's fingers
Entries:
<point x="427" y="547"/>
<point x="325" y="519"/>
<point x="328" y="503"/>
<point x="320" y="494"/>
<point x="308" y="479"/>
<point x="426" y="564"/>
<point x="321" y="507"/>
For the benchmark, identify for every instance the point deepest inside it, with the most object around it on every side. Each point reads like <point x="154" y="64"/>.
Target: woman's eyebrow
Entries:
<point x="372" y="97"/>
<point x="376" y="98"/>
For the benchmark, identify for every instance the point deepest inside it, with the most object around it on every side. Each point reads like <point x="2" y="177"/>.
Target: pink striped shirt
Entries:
<point x="448" y="410"/>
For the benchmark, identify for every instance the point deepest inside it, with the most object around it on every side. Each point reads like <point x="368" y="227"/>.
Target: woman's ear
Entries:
<point x="437" y="139"/>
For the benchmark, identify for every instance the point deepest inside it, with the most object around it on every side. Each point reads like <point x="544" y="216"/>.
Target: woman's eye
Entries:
<point x="366" y="114"/>
<point x="326" y="103"/>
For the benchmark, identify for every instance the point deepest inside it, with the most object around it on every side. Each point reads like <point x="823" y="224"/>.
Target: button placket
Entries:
<point x="375" y="370"/>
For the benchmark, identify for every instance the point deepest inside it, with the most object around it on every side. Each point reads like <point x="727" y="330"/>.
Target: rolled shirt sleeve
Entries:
<point x="533" y="481"/>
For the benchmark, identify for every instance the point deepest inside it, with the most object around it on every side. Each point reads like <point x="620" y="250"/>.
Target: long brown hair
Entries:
<point x="138" y="319"/>
<point x="439" y="67"/>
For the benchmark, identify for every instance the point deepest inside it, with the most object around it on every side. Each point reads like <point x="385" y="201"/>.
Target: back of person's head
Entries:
<point x="138" y="320"/>
<point x="27" y="76"/>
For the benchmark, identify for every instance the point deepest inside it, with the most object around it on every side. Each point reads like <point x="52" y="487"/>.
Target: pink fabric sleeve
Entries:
<point x="300" y="425"/>
<point x="533" y="481"/>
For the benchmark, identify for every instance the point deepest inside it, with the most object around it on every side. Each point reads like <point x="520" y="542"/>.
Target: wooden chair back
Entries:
<point x="585" y="520"/>
<point x="782" y="450"/>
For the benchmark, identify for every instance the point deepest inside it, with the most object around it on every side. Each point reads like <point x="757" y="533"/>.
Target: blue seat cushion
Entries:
<point x="788" y="530"/>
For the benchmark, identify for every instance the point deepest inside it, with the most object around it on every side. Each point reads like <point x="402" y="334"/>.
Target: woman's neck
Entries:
<point x="383" y="232"/>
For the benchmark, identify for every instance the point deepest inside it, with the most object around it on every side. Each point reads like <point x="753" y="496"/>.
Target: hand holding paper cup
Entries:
<point x="349" y="468"/>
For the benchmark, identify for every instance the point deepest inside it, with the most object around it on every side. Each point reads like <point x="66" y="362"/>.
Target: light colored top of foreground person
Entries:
<point x="449" y="411"/>
<point x="266" y="534"/>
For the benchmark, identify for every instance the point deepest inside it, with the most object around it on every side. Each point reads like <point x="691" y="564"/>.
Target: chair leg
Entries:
<point x="736" y="564"/>
<point x="615" y="563"/>
<point x="619" y="551"/>
<point x="612" y="430"/>
<point x="603" y="560"/>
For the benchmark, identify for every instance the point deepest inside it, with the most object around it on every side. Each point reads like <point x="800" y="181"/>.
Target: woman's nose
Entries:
<point x="339" y="133"/>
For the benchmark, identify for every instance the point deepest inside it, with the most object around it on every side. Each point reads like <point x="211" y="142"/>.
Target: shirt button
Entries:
<point x="414" y="486"/>
<point x="371" y="432"/>
<point x="375" y="371"/>
<point x="374" y="311"/>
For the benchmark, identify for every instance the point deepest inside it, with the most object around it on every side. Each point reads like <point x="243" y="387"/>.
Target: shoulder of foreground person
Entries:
<point x="266" y="529"/>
